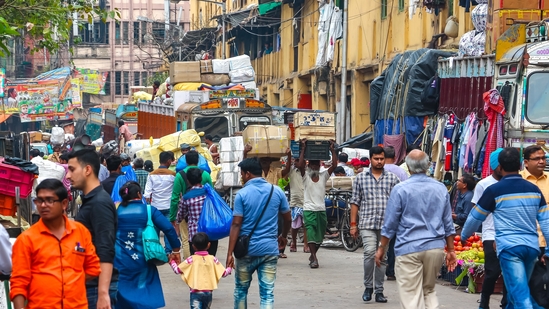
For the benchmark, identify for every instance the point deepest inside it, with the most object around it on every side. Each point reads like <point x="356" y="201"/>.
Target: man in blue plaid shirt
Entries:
<point x="371" y="191"/>
<point x="140" y="173"/>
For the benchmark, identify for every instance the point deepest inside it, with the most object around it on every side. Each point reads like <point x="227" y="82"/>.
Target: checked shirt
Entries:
<point x="371" y="195"/>
<point x="191" y="208"/>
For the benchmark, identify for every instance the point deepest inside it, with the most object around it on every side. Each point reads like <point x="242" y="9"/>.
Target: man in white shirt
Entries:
<point x="314" y="208"/>
<point x="158" y="191"/>
<point x="343" y="158"/>
<point x="492" y="267"/>
<point x="5" y="252"/>
<point x="296" y="201"/>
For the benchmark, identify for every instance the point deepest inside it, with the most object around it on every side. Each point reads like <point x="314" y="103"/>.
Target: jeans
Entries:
<point x="92" y="293"/>
<point x="266" y="274"/>
<point x="517" y="264"/>
<point x="390" y="271"/>
<point x="167" y="246"/>
<point x="201" y="300"/>
<point x="372" y="273"/>
<point x="492" y="270"/>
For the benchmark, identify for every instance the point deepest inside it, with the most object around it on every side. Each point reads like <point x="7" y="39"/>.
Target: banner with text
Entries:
<point x="92" y="81"/>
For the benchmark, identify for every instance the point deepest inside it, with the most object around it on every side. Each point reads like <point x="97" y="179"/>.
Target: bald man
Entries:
<point x="413" y="215"/>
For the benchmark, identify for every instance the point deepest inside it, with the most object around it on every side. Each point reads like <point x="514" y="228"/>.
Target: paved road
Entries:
<point x="336" y="284"/>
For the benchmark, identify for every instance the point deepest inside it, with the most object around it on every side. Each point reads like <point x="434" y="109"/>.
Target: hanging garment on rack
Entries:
<point x="438" y="149"/>
<point x="399" y="143"/>
<point x="448" y="133"/>
<point x="464" y="139"/>
<point x="494" y="109"/>
<point x="471" y="144"/>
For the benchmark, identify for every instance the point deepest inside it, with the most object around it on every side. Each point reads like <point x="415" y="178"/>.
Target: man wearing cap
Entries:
<point x="184" y="148"/>
<point x="492" y="268"/>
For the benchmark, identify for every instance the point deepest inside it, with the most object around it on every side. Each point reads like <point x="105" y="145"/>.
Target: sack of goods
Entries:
<point x="231" y="152"/>
<point x="242" y="75"/>
<point x="57" y="136"/>
<point x="267" y="141"/>
<point x="216" y="216"/>
<point x="340" y="183"/>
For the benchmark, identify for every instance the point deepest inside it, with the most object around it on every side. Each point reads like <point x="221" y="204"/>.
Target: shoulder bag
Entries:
<point x="152" y="248"/>
<point x="243" y="241"/>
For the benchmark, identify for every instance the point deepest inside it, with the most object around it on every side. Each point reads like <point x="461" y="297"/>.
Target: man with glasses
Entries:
<point x="534" y="172"/>
<point x="53" y="259"/>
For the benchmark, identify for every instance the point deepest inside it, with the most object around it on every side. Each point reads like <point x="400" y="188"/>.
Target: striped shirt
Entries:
<point x="371" y="195"/>
<point x="515" y="204"/>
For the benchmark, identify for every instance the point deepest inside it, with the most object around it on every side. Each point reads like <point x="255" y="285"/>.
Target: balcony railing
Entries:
<point x="267" y="68"/>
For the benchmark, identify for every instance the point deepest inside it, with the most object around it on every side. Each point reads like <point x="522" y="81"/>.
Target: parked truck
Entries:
<point x="220" y="113"/>
<point x="127" y="113"/>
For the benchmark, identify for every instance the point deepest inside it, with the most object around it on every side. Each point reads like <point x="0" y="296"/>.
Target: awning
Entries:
<point x="267" y="7"/>
<point x="239" y="17"/>
<point x="4" y="117"/>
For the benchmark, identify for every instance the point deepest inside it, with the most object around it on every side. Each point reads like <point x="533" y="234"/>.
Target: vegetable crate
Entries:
<point x="479" y="279"/>
<point x="451" y="276"/>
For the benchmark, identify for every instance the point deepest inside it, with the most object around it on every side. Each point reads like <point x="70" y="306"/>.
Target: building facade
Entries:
<point x="295" y="71"/>
<point x="133" y="48"/>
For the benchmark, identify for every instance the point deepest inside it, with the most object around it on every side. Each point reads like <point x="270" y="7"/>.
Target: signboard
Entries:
<point x="129" y="116"/>
<point x="38" y="101"/>
<point x="222" y="94"/>
<point x="76" y="93"/>
<point x="2" y="81"/>
<point x="93" y="81"/>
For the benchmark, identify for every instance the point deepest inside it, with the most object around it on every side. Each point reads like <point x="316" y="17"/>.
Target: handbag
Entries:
<point x="243" y="241"/>
<point x="538" y="283"/>
<point x="152" y="248"/>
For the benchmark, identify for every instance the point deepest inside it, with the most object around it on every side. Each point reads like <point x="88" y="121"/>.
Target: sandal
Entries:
<point x="293" y="249"/>
<point x="282" y="256"/>
<point x="314" y="264"/>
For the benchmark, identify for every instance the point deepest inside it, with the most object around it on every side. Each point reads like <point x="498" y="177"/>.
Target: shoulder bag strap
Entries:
<point x="262" y="212"/>
<point x="149" y="219"/>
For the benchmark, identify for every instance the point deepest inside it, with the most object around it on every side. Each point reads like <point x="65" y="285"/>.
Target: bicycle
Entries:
<point x="343" y="218"/>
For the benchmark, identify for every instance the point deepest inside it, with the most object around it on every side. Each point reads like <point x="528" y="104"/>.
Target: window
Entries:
<point x="401" y="5"/>
<point x="97" y="32"/>
<point x="136" y="33"/>
<point x="218" y="127"/>
<point x="536" y="98"/>
<point x="107" y="86"/>
<point x="144" y="31"/>
<point x="125" y="33"/>
<point x="118" y="83"/>
<point x="158" y="31"/>
<point x="117" y="34"/>
<point x="144" y="78"/>
<point x="126" y="84"/>
<point x="136" y="79"/>
<point x="383" y="9"/>
<point x="297" y="36"/>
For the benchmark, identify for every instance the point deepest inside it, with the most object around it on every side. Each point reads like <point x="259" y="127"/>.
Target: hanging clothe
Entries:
<point x="448" y="133"/>
<point x="437" y="154"/>
<point x="471" y="144"/>
<point x="494" y="109"/>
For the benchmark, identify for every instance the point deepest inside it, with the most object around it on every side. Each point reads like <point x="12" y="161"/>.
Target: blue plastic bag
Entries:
<point x="130" y="173"/>
<point x="216" y="216"/>
<point x="120" y="181"/>
<point x="202" y="164"/>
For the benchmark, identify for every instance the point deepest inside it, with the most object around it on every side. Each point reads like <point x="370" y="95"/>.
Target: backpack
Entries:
<point x="186" y="180"/>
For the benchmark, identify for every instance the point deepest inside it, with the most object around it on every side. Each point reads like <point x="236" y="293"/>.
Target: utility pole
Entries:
<point x="343" y="99"/>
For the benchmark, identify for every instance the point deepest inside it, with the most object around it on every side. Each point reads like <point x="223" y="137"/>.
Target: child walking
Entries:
<point x="201" y="272"/>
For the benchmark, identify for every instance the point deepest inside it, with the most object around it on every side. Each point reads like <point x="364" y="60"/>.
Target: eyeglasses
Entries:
<point x="48" y="201"/>
<point x="537" y="159"/>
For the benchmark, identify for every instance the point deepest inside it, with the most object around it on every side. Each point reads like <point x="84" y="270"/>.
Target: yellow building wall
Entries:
<point x="373" y="41"/>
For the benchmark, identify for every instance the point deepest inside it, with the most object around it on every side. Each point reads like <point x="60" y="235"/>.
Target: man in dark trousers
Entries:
<point x="98" y="214"/>
<point x="114" y="164"/>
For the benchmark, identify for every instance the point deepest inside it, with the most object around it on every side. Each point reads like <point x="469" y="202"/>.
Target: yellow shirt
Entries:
<point x="202" y="271"/>
<point x="543" y="184"/>
<point x="274" y="175"/>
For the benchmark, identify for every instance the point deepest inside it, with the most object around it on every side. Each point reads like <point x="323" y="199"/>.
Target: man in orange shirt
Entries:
<point x="53" y="259"/>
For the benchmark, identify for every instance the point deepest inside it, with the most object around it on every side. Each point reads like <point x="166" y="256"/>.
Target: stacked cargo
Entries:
<point x="267" y="141"/>
<point x="318" y="128"/>
<point x="214" y="72"/>
<point x="473" y="42"/>
<point x="502" y="14"/>
<point x="231" y="152"/>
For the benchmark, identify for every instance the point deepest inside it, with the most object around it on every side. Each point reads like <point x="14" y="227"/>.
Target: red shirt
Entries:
<point x="51" y="273"/>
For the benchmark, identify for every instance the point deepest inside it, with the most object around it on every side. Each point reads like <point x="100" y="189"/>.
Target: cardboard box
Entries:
<point x="267" y="141"/>
<point x="514" y="4"/>
<point x="314" y="119"/>
<point x="314" y="133"/>
<point x="503" y="20"/>
<point x="183" y="72"/>
<point x="206" y="66"/>
<point x="35" y="137"/>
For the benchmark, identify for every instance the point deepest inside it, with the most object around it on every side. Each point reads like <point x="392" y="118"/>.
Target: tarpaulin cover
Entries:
<point x="267" y="7"/>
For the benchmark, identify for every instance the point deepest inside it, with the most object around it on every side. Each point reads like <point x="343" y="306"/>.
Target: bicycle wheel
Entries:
<point x="349" y="242"/>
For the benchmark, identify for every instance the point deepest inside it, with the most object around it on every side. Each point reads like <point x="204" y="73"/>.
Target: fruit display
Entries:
<point x="470" y="257"/>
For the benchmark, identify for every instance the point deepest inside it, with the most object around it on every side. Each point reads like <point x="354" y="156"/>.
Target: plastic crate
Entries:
<point x="11" y="177"/>
<point x="317" y="150"/>
<point x="451" y="276"/>
<point x="7" y="205"/>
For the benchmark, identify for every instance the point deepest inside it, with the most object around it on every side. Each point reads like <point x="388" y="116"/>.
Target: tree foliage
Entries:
<point x="48" y="22"/>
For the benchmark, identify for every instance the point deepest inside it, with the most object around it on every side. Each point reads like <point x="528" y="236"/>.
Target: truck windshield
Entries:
<point x="216" y="126"/>
<point x="537" y="101"/>
<point x="250" y="120"/>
